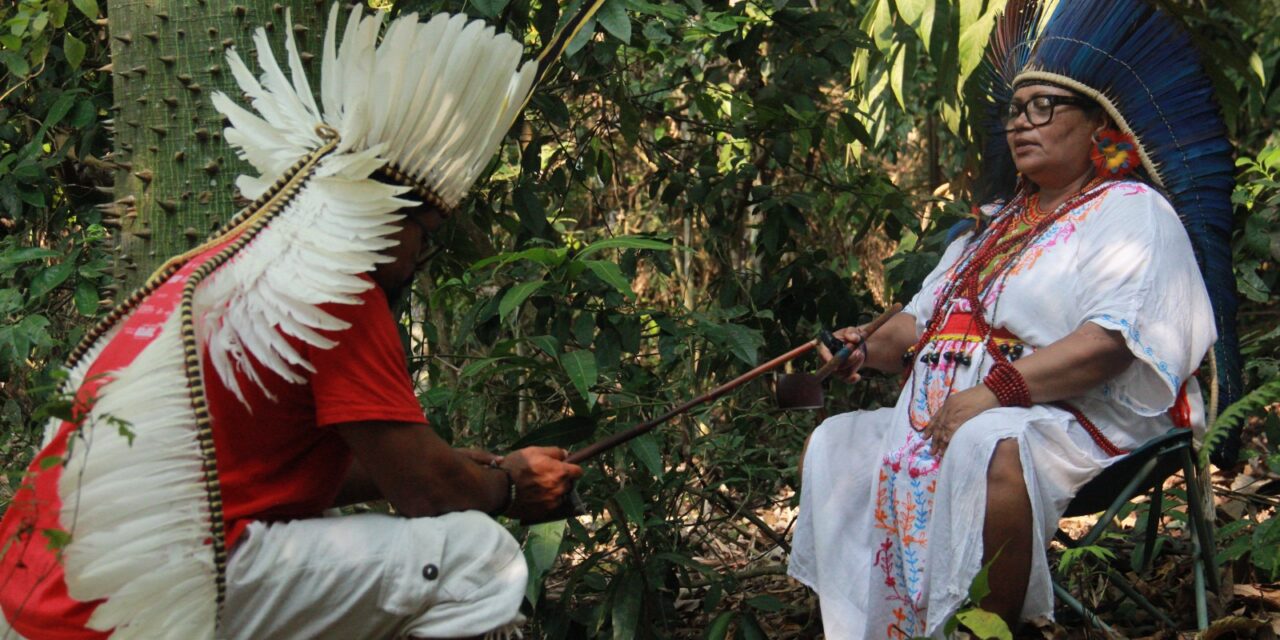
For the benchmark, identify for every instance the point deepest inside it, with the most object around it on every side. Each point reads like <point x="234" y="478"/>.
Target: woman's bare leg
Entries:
<point x="1007" y="532"/>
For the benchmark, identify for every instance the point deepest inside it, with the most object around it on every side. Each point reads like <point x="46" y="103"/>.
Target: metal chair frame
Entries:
<point x="1145" y="469"/>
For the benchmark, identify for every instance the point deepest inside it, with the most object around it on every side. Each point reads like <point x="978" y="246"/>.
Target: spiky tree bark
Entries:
<point x="175" y="179"/>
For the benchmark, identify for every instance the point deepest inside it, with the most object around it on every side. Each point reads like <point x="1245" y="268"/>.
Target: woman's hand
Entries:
<point x="957" y="410"/>
<point x="854" y="337"/>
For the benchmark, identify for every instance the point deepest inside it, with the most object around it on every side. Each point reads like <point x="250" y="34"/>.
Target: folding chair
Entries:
<point x="1145" y="470"/>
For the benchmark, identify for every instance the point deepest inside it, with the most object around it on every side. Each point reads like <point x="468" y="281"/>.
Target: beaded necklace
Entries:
<point x="1012" y="232"/>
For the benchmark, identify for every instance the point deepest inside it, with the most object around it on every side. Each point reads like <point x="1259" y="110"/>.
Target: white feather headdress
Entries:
<point x="434" y="98"/>
<point x="428" y="105"/>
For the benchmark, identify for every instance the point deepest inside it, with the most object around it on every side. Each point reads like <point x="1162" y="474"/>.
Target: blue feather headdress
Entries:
<point x="1140" y="65"/>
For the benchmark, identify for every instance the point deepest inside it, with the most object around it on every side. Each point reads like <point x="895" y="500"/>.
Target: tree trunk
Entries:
<point x="176" y="178"/>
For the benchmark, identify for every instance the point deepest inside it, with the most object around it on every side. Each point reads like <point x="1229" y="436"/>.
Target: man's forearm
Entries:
<point x="357" y="486"/>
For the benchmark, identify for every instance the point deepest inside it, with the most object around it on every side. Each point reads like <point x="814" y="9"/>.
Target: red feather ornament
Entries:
<point x="1114" y="153"/>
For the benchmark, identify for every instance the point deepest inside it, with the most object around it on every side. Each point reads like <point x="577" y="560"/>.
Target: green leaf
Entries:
<point x="540" y="255"/>
<point x="564" y="432"/>
<point x="611" y="273"/>
<point x="548" y="344"/>
<point x="74" y="49"/>
<point x="613" y="17"/>
<point x="88" y="7"/>
<point x="515" y="296"/>
<point x="16" y="63"/>
<point x="880" y="25"/>
<point x="719" y="628"/>
<point x="632" y="504"/>
<point x="49" y="279"/>
<point x="646" y="449"/>
<point x="627" y="602"/>
<point x="980" y="587"/>
<point x="749" y="627"/>
<point x="26" y="254"/>
<point x="625" y="242"/>
<point x="581" y="368"/>
<point x="897" y="75"/>
<point x="984" y="624"/>
<point x="477" y="366"/>
<point x="765" y="603"/>
<point x="973" y="42"/>
<point x="583" y="36"/>
<point x="59" y="110"/>
<point x="912" y="10"/>
<point x="541" y="547"/>
<point x="1255" y="65"/>
<point x="742" y="342"/>
<point x="58" y="539"/>
<point x="86" y="299"/>
<point x="489" y="8"/>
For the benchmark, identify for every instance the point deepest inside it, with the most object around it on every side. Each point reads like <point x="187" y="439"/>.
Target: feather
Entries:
<point x="1141" y="62"/>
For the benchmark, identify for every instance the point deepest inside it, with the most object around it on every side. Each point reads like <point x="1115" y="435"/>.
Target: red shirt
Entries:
<point x="278" y="461"/>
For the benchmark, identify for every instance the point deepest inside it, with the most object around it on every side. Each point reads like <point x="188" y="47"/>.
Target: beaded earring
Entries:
<point x="1114" y="153"/>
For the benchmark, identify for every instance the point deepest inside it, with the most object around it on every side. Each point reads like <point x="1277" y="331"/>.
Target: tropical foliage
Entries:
<point x="703" y="185"/>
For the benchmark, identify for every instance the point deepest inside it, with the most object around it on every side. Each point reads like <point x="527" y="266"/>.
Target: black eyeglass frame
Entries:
<point x="1013" y="109"/>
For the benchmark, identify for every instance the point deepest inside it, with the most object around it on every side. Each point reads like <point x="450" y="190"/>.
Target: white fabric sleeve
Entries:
<point x="1138" y="276"/>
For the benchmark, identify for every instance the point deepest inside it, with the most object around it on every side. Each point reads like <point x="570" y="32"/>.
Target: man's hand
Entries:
<point x="542" y="479"/>
<point x="956" y="411"/>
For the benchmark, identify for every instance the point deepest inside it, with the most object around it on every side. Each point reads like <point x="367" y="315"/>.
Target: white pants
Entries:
<point x="374" y="576"/>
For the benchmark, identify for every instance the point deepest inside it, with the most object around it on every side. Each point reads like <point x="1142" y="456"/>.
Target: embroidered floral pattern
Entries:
<point x="907" y="478"/>
<point x="904" y="500"/>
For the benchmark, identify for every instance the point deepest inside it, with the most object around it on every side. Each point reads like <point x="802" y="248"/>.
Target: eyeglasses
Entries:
<point x="1039" y="109"/>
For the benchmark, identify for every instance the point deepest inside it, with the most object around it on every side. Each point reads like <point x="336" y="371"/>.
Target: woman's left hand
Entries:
<point x="956" y="411"/>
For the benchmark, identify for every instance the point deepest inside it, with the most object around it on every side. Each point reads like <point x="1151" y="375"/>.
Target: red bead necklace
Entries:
<point x="1000" y="247"/>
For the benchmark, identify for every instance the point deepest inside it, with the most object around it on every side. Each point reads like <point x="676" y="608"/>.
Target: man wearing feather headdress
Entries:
<point x="263" y="382"/>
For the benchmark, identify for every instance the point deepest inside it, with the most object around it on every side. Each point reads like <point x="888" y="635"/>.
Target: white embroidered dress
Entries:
<point x="889" y="537"/>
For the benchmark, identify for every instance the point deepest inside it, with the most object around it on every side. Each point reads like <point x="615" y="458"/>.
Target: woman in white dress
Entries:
<point x="1048" y="341"/>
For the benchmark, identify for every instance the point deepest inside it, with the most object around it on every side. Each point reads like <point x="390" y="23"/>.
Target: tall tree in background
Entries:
<point x="175" y="176"/>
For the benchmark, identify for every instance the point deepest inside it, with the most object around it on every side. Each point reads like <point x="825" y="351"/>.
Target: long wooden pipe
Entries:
<point x="600" y="446"/>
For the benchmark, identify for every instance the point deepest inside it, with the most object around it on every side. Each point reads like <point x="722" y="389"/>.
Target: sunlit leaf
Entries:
<point x="541" y="547"/>
<point x="897" y="75"/>
<point x="984" y="624"/>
